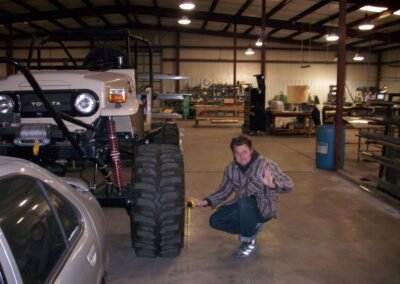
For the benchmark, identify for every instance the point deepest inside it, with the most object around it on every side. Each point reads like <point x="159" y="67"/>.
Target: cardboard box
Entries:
<point x="297" y="94"/>
<point x="229" y="101"/>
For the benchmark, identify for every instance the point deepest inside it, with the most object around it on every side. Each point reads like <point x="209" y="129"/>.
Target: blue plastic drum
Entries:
<point x="325" y="152"/>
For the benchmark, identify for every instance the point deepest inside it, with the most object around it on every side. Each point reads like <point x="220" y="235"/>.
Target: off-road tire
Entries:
<point x="158" y="212"/>
<point x="169" y="134"/>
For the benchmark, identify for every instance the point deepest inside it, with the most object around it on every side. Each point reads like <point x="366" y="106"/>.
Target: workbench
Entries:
<point x="218" y="113"/>
<point x="306" y="115"/>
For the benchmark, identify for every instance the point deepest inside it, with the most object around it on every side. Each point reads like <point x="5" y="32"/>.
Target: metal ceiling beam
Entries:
<point x="128" y="20"/>
<point x="212" y="8"/>
<point x="34" y="10"/>
<point x="306" y="12"/>
<point x="212" y="33"/>
<point x="249" y="30"/>
<point x="100" y="15"/>
<point x="391" y="4"/>
<point x="370" y="18"/>
<point x="240" y="12"/>
<point x="5" y="14"/>
<point x="37" y="27"/>
<point x="277" y="8"/>
<point x="162" y="12"/>
<point x="326" y="20"/>
<point x="155" y="4"/>
<point x="59" y="6"/>
<point x="274" y="10"/>
<point x="174" y="13"/>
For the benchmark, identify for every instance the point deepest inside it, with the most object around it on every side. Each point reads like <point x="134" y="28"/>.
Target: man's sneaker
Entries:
<point x="246" y="249"/>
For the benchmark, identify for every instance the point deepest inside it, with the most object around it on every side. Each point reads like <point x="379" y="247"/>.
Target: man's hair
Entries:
<point x="240" y="141"/>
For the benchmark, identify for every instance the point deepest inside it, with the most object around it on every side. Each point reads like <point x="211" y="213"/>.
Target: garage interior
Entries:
<point x="339" y="225"/>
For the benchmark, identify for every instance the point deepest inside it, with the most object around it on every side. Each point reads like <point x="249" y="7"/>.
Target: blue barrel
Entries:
<point x="325" y="152"/>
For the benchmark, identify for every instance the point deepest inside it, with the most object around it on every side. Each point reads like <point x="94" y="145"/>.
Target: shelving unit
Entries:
<point x="218" y="94"/>
<point x="169" y="105"/>
<point x="388" y="178"/>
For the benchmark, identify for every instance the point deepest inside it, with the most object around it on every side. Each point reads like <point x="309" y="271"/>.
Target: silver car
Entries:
<point x="52" y="230"/>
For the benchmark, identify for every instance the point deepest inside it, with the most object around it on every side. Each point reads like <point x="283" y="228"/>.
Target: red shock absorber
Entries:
<point x="115" y="154"/>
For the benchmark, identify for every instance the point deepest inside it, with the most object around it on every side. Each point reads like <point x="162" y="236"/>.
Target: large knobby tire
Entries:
<point x="158" y="212"/>
<point x="169" y="134"/>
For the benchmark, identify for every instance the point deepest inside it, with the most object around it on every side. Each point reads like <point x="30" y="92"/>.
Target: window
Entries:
<point x="30" y="227"/>
<point x="69" y="216"/>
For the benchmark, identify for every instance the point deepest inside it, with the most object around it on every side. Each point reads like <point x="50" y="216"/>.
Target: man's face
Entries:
<point x="242" y="154"/>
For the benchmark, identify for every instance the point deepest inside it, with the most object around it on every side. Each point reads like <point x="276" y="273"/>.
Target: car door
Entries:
<point x="86" y="266"/>
<point x="40" y="241"/>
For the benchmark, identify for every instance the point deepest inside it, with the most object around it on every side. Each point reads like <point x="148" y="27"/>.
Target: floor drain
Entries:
<point x="365" y="179"/>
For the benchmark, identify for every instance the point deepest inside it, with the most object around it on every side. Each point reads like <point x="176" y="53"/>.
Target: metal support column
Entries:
<point x="378" y="69"/>
<point x="341" y="80"/>
<point x="234" y="61"/>
<point x="263" y="35"/>
<point x="177" y="65"/>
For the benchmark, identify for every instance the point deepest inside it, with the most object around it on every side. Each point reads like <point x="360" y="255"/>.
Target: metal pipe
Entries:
<point x="33" y="40"/>
<point x="150" y="58"/>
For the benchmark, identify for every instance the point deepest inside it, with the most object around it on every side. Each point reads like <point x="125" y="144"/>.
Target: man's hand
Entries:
<point x="267" y="178"/>
<point x="197" y="202"/>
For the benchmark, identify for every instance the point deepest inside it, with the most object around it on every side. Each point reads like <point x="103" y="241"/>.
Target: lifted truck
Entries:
<point x="92" y="115"/>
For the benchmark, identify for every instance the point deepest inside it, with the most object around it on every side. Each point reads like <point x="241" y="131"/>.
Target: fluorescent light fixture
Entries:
<point x="366" y="26"/>
<point x="184" y="21"/>
<point x="397" y="13"/>
<point x="331" y="37"/>
<point x="249" y="51"/>
<point x="187" y="5"/>
<point x="259" y="42"/>
<point x="370" y="8"/>
<point x="358" y="57"/>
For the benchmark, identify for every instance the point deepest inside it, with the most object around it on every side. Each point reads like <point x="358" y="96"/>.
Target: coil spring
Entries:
<point x="115" y="154"/>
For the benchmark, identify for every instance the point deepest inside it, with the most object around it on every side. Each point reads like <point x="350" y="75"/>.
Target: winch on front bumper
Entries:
<point x="44" y="142"/>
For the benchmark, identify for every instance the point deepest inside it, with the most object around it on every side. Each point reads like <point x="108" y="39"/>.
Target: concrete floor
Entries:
<point x="328" y="230"/>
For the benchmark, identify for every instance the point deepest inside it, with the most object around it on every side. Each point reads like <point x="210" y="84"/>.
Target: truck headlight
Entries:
<point x="117" y="95"/>
<point x="85" y="103"/>
<point x="6" y="104"/>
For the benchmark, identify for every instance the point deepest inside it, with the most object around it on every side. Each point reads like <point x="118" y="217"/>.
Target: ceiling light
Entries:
<point x="331" y="37"/>
<point x="358" y="57"/>
<point x="184" y="21"/>
<point x="396" y="13"/>
<point x="187" y="5"/>
<point x="371" y="8"/>
<point x="259" y="42"/>
<point x="366" y="26"/>
<point x="249" y="51"/>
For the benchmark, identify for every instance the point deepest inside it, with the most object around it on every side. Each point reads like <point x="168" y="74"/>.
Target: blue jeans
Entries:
<point x="240" y="218"/>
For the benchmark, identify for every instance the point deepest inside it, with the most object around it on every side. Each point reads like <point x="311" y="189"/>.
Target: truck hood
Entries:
<point x="65" y="79"/>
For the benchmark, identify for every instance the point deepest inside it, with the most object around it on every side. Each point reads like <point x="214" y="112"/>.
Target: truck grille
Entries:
<point x="30" y="106"/>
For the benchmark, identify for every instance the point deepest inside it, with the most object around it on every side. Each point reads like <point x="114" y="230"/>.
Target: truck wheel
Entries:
<point x="158" y="212"/>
